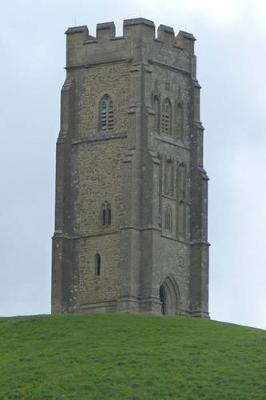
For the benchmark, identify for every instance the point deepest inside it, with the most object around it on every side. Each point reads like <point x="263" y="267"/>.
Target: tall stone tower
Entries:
<point x="131" y="190"/>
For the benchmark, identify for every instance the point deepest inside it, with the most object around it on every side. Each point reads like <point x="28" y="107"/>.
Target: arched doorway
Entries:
<point x="169" y="296"/>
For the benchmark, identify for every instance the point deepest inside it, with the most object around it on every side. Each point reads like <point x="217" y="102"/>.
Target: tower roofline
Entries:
<point x="83" y="47"/>
<point x="129" y="27"/>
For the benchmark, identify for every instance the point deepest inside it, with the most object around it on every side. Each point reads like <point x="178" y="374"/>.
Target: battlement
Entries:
<point x="131" y="28"/>
<point x="79" y="38"/>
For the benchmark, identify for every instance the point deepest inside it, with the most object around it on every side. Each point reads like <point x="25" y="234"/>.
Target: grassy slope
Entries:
<point x="130" y="357"/>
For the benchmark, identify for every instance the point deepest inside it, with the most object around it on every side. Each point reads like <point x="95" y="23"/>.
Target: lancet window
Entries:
<point x="179" y="119"/>
<point x="168" y="219"/>
<point x="106" y="114"/>
<point x="156" y="105"/>
<point x="106" y="214"/>
<point x="169" y="177"/>
<point x="166" y="118"/>
<point x="181" y="196"/>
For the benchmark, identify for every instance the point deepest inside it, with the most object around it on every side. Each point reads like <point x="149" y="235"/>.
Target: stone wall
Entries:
<point x="95" y="82"/>
<point x="100" y="173"/>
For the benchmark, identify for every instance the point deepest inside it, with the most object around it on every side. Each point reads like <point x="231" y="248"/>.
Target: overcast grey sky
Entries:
<point x="231" y="50"/>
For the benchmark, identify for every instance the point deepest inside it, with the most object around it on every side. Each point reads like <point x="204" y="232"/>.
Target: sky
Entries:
<point x="231" y="52"/>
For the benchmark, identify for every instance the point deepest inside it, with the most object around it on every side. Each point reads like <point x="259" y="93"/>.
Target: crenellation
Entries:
<point x="131" y="29"/>
<point x="166" y="47"/>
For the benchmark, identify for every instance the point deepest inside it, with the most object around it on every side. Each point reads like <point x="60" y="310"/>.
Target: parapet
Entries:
<point x="136" y="28"/>
<point x="106" y="31"/>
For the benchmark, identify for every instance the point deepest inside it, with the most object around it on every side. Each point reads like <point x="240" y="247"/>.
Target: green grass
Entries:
<point x="130" y="357"/>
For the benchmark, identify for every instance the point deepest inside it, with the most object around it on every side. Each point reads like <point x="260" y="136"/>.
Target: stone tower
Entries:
<point x="131" y="190"/>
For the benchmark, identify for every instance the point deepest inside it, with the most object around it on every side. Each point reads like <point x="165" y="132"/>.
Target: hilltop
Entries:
<point x="130" y="357"/>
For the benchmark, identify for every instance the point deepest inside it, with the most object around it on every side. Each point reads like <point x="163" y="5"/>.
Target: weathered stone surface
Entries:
<point x="147" y="166"/>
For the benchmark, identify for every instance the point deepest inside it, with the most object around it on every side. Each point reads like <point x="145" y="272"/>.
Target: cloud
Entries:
<point x="226" y="11"/>
<point x="217" y="11"/>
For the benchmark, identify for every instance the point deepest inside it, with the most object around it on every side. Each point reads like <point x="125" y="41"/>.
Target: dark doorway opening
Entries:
<point x="162" y="298"/>
<point x="169" y="296"/>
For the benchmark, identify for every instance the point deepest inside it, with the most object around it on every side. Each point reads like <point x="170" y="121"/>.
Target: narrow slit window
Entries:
<point x="103" y="215"/>
<point x="106" y="214"/>
<point x="109" y="216"/>
<point x="97" y="264"/>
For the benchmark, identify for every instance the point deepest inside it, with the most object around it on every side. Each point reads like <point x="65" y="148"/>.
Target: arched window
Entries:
<point x="106" y="117"/>
<point x="180" y="119"/>
<point x="156" y="106"/>
<point x="169" y="177"/>
<point x="181" y="187"/>
<point x="109" y="216"/>
<point x="168" y="219"/>
<point x="97" y="260"/>
<point x="166" y="117"/>
<point x="106" y="214"/>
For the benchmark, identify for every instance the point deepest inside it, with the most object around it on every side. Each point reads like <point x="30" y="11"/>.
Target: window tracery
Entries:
<point x="106" y="113"/>
<point x="166" y="118"/>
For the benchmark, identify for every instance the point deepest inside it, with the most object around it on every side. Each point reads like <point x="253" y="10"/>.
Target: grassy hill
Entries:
<point x="130" y="357"/>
